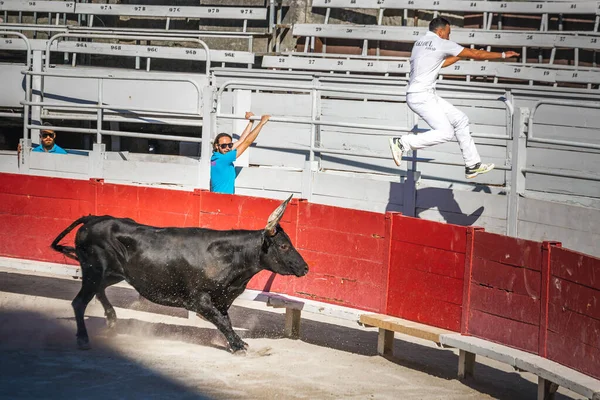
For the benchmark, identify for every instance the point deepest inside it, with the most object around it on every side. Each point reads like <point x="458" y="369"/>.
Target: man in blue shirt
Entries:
<point x="47" y="138"/>
<point x="225" y="152"/>
<point x="47" y="144"/>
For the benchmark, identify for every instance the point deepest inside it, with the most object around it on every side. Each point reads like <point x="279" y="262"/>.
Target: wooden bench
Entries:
<point x="294" y="307"/>
<point x="388" y="325"/>
<point x="550" y="374"/>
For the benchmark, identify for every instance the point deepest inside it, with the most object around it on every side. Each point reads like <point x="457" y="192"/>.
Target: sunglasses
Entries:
<point x="46" y="134"/>
<point x="224" y="146"/>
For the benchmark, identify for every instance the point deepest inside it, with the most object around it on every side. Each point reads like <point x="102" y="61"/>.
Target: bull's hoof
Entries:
<point x="83" y="344"/>
<point x="111" y="324"/>
<point x="240" y="352"/>
<point x="239" y="349"/>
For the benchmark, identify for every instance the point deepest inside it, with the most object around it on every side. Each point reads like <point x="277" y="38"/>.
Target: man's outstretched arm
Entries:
<point x="245" y="142"/>
<point x="484" y="55"/>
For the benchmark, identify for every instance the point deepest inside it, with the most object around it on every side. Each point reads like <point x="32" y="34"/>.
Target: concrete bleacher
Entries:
<point x="486" y="8"/>
<point x="88" y="11"/>
<point x="529" y="73"/>
<point x="509" y="39"/>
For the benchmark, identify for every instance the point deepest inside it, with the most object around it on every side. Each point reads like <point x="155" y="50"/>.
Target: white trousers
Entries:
<point x="446" y="122"/>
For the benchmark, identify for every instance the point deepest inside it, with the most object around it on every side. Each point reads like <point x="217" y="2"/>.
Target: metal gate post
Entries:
<point x="518" y="164"/>
<point x="209" y="111"/>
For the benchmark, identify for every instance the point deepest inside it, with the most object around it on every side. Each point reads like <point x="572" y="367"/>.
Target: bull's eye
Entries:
<point x="284" y="247"/>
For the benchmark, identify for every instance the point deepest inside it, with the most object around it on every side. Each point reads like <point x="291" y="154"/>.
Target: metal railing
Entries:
<point x="127" y="37"/>
<point x="27" y="78"/>
<point x="100" y="107"/>
<point x="531" y="121"/>
<point x="316" y="89"/>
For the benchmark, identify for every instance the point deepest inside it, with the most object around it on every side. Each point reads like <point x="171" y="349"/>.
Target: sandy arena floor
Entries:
<point x="162" y="355"/>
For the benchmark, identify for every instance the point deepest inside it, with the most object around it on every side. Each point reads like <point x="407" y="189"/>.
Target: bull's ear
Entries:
<point x="276" y="216"/>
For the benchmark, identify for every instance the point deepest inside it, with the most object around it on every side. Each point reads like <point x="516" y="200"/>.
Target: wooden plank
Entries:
<point x="427" y="285"/>
<point x="345" y="267"/>
<point x="431" y="234"/>
<point x="574" y="354"/>
<point x="518" y="280"/>
<point x="427" y="259"/>
<point x="342" y="220"/>
<point x="508" y="250"/>
<point x="505" y="304"/>
<point x="404" y="326"/>
<point x="415" y="307"/>
<point x="571" y="324"/>
<point x="576" y="267"/>
<point x="333" y="290"/>
<point x="341" y="243"/>
<point x="505" y="331"/>
<point x="575" y="297"/>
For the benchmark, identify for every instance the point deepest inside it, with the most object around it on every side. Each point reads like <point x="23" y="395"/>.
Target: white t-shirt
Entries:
<point x="428" y="55"/>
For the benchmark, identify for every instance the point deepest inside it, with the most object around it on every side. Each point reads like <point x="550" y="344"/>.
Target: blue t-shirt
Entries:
<point x="55" y="149"/>
<point x="222" y="172"/>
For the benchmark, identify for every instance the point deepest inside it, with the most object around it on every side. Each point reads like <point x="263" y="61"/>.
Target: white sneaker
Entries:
<point x="479" y="168"/>
<point x="397" y="150"/>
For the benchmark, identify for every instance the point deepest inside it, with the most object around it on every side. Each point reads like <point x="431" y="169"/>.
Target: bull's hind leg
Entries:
<point x="89" y="288"/>
<point x="109" y="311"/>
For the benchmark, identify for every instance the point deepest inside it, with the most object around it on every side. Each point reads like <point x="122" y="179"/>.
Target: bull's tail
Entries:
<point x="68" y="250"/>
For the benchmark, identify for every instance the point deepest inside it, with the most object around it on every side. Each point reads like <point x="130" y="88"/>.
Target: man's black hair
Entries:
<point x="438" y="23"/>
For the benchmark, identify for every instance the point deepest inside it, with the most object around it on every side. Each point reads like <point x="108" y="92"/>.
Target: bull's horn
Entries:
<point x="276" y="216"/>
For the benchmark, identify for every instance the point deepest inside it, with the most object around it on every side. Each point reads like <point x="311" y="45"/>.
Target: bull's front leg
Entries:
<point x="205" y="307"/>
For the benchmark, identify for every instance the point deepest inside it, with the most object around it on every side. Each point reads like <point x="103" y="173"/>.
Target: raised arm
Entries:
<point x="247" y="139"/>
<point x="247" y="129"/>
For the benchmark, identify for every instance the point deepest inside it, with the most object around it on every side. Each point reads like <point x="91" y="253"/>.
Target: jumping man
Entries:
<point x="430" y="53"/>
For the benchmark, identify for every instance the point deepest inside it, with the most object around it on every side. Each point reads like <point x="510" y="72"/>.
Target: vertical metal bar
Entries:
<point x="245" y="27"/>
<point x="35" y="17"/>
<point x="148" y="64"/>
<point x="313" y="117"/>
<point x="379" y="22"/>
<point x="518" y="162"/>
<point x="167" y="23"/>
<point x="499" y="22"/>
<point x="560" y="22"/>
<point x="137" y="58"/>
<point x="271" y="17"/>
<point x="20" y="17"/>
<point x="100" y="114"/>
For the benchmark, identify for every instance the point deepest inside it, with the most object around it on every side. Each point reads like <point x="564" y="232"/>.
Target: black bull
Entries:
<point x="201" y="270"/>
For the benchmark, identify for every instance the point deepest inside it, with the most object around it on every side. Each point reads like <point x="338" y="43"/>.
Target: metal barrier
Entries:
<point x="316" y="89"/>
<point x="100" y="107"/>
<point x="27" y="78"/>
<point x="531" y="138"/>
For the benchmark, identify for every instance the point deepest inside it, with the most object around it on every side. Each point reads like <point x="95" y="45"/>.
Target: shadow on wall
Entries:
<point x="437" y="198"/>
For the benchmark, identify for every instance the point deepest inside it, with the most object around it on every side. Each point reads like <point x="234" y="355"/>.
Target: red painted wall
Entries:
<point x="504" y="290"/>
<point x="534" y="296"/>
<point x="426" y="272"/>
<point x="573" y="326"/>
